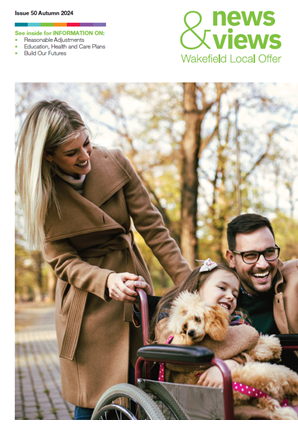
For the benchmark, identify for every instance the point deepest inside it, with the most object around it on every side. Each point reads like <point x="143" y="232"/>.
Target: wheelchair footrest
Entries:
<point x="176" y="353"/>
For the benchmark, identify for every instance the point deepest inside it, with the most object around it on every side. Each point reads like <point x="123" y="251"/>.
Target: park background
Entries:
<point x="206" y="152"/>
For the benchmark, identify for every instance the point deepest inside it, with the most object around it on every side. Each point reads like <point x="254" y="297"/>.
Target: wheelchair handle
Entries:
<point x="142" y="296"/>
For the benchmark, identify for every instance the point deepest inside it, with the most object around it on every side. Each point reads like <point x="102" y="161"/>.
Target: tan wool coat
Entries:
<point x="285" y="303"/>
<point x="93" y="238"/>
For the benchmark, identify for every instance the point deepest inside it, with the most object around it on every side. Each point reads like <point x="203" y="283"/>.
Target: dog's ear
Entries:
<point x="217" y="322"/>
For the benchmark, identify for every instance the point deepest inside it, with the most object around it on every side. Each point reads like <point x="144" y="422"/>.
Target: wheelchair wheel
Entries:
<point x="167" y="404"/>
<point x="126" y="402"/>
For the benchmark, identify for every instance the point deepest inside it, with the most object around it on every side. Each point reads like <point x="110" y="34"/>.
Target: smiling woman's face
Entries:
<point x="73" y="157"/>
<point x="221" y="288"/>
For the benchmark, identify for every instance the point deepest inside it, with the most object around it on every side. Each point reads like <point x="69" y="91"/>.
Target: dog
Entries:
<point x="192" y="321"/>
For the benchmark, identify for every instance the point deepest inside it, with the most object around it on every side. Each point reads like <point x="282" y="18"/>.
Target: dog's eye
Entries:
<point x="184" y="328"/>
<point x="198" y="319"/>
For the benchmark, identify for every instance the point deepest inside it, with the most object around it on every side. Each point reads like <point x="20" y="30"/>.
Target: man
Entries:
<point x="269" y="287"/>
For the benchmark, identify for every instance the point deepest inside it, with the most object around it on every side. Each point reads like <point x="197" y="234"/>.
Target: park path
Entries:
<point x="37" y="372"/>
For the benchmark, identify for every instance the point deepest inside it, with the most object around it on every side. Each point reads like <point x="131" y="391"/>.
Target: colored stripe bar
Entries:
<point x="61" y="24"/>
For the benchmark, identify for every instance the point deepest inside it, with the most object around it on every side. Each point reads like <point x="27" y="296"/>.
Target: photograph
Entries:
<point x="156" y="250"/>
<point x="150" y="210"/>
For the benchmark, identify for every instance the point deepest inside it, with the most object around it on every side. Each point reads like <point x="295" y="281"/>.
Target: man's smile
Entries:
<point x="261" y="276"/>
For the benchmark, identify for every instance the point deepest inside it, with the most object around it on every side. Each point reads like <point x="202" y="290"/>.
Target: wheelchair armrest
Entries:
<point x="176" y="353"/>
<point x="288" y="339"/>
<point x="187" y="355"/>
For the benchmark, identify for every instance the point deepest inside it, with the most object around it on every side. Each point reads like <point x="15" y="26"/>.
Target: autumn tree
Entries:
<point x="267" y="159"/>
<point x="198" y="100"/>
<point x="181" y="139"/>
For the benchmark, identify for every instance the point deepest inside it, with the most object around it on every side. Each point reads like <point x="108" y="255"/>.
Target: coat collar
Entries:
<point x="278" y="277"/>
<point x="82" y="214"/>
<point x="106" y="177"/>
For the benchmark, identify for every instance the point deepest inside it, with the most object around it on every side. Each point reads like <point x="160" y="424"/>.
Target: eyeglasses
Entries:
<point x="250" y="257"/>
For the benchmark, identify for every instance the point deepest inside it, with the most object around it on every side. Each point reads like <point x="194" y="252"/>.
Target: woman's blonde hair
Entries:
<point x="47" y="125"/>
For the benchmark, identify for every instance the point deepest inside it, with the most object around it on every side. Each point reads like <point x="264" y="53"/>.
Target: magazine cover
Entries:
<point x="153" y="199"/>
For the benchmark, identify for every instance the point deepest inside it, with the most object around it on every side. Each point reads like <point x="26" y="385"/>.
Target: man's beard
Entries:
<point x="249" y="281"/>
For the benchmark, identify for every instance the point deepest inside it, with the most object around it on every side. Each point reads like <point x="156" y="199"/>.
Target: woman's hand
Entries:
<point x="122" y="286"/>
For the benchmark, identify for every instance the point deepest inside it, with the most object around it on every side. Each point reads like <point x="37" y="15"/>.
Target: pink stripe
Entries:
<point x="249" y="390"/>
<point x="161" y="373"/>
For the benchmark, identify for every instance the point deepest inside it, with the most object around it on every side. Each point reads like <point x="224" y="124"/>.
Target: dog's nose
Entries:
<point x="191" y="333"/>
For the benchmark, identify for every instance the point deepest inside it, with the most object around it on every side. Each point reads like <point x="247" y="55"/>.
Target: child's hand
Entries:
<point x="211" y="377"/>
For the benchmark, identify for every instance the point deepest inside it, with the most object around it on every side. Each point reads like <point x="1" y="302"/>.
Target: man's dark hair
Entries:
<point x="245" y="224"/>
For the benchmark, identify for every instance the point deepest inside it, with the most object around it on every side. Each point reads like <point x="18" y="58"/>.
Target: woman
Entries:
<point x="78" y="203"/>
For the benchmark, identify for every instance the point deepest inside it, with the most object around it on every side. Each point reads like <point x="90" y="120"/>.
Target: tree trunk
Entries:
<point x="52" y="280"/>
<point x="189" y="173"/>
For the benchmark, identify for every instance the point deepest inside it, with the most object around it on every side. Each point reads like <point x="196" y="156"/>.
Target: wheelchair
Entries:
<point x="150" y="399"/>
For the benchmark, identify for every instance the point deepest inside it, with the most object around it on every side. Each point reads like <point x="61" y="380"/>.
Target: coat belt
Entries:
<point x="121" y="242"/>
<point x="76" y="312"/>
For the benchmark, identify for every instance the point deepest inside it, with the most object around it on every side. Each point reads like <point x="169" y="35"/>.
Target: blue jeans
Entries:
<point x="81" y="413"/>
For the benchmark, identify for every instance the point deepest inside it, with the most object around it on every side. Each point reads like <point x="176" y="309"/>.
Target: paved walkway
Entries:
<point x="37" y="372"/>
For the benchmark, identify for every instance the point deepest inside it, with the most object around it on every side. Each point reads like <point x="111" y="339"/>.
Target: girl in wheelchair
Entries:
<point x="180" y="319"/>
<point x="216" y="284"/>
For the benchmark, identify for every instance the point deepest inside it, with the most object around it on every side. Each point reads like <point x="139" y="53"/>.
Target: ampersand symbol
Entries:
<point x="191" y="29"/>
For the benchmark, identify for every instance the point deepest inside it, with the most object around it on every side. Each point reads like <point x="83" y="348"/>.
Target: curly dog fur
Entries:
<point x="191" y="319"/>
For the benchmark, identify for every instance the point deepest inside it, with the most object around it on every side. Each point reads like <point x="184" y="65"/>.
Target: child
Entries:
<point x="216" y="284"/>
